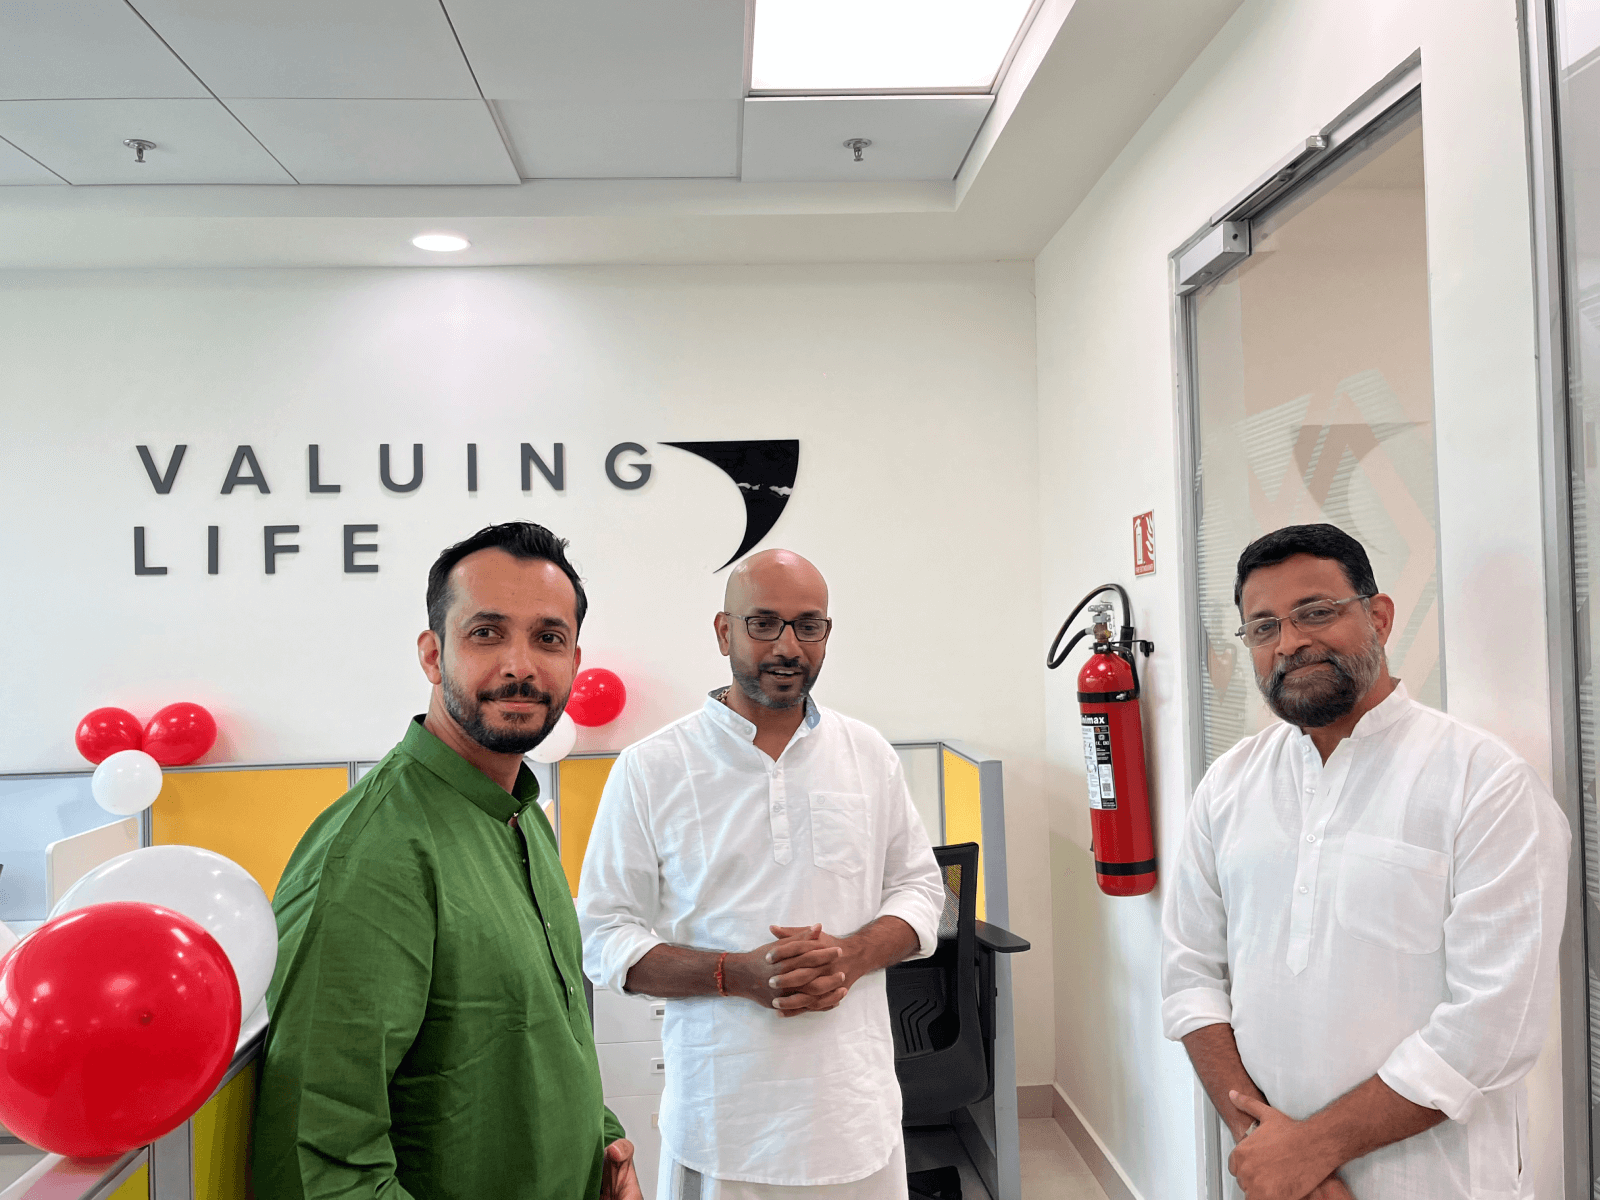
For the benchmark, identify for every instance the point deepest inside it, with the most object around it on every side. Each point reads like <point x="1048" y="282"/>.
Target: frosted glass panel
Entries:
<point x="921" y="765"/>
<point x="1577" y="28"/>
<point x="35" y="811"/>
<point x="1314" y="403"/>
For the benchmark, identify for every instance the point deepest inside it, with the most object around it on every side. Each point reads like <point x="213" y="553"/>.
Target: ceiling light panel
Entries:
<point x="810" y="46"/>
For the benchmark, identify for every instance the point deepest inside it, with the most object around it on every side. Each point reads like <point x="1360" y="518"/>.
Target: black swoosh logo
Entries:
<point x="765" y="472"/>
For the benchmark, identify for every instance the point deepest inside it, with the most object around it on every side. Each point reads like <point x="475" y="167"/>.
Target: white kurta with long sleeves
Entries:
<point x="702" y="840"/>
<point x="1393" y="911"/>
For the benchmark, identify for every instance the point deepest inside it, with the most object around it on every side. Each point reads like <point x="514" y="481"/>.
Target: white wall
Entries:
<point x="911" y="390"/>
<point x="1276" y="73"/>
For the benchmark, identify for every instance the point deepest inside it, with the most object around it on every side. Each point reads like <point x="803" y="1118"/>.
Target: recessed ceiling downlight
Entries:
<point x="440" y="242"/>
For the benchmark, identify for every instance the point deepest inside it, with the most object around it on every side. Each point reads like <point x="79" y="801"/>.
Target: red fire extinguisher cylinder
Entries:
<point x="1113" y="748"/>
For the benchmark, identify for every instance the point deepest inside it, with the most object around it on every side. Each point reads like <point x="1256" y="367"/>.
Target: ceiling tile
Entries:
<point x="668" y="139"/>
<point x="84" y="49"/>
<point x="17" y="168"/>
<point x="197" y="141"/>
<point x="913" y="137"/>
<point x="615" y="50"/>
<point x="316" y="48"/>
<point x="381" y="141"/>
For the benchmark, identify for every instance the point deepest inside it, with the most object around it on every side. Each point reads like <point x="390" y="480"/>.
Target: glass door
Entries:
<point x="1312" y="400"/>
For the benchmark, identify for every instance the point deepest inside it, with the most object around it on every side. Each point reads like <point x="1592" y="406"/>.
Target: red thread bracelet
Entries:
<point x="722" y="982"/>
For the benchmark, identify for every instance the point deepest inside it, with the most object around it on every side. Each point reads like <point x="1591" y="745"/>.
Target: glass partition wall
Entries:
<point x="1563" y="75"/>
<point x="1312" y="400"/>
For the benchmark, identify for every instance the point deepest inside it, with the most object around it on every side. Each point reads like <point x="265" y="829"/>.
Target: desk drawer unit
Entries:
<point x="633" y="1073"/>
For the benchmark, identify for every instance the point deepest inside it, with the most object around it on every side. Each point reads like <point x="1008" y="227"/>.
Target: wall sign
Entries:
<point x="1144" y="544"/>
<point x="763" y="470"/>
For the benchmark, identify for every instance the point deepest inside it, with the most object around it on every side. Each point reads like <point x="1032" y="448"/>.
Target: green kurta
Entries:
<point x="429" y="1032"/>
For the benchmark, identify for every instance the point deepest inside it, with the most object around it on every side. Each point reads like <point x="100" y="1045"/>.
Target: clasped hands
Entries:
<point x="1274" y="1161"/>
<point x="804" y="970"/>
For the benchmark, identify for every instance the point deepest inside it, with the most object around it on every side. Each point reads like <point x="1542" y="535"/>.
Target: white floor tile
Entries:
<point x="1052" y="1168"/>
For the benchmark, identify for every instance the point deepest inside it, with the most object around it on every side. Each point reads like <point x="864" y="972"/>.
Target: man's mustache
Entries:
<point x="1303" y="658"/>
<point x="785" y="664"/>
<point x="525" y="690"/>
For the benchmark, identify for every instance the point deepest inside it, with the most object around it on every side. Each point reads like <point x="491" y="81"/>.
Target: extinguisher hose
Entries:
<point x="1052" y="660"/>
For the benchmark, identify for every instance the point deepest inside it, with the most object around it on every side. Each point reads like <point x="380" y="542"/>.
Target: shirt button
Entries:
<point x="1302" y="891"/>
<point x="1311" y="837"/>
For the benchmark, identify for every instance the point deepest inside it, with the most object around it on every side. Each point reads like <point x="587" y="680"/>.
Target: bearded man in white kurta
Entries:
<point x="1361" y="932"/>
<point x="758" y="864"/>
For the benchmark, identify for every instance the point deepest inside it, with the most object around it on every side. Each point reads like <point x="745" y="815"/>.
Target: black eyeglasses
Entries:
<point x="764" y="628"/>
<point x="1313" y="615"/>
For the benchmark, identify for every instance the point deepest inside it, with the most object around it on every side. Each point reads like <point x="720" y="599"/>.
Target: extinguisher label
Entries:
<point x="1097" y="761"/>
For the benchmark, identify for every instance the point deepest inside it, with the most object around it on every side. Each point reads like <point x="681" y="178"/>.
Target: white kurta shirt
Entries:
<point x="1395" y="911"/>
<point x="702" y="840"/>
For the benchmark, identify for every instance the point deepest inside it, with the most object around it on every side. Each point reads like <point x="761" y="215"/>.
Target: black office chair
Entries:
<point x="942" y="1013"/>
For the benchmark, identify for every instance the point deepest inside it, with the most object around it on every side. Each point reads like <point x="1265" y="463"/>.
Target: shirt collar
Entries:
<point x="464" y="778"/>
<point x="1378" y="718"/>
<point x="1383" y="714"/>
<point x="731" y="722"/>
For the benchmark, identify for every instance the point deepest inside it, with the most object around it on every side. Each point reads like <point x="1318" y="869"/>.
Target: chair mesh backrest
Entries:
<point x="950" y="918"/>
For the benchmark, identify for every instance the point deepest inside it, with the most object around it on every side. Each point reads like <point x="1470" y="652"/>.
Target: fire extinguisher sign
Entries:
<point x="1097" y="761"/>
<point x="1144" y="543"/>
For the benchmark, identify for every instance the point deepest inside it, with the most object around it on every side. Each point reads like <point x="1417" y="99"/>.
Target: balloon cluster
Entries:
<point x="597" y="698"/>
<point x="123" y="1010"/>
<point x="128" y="757"/>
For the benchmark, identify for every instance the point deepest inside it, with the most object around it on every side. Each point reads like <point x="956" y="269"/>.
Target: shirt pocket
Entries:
<point x="839" y="832"/>
<point x="1392" y="894"/>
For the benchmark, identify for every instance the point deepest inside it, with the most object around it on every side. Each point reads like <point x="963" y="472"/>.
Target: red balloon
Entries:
<point x="179" y="734"/>
<point x="105" y="731"/>
<point x="119" y="1021"/>
<point x="598" y="697"/>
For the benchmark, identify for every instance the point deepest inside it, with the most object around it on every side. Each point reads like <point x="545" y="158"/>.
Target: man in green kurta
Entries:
<point x="430" y="1036"/>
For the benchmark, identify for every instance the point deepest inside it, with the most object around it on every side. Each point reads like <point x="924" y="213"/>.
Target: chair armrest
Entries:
<point x="1001" y="941"/>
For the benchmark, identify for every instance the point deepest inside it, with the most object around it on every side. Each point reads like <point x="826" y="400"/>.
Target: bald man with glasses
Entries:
<point x="1361" y="930"/>
<point x="758" y="864"/>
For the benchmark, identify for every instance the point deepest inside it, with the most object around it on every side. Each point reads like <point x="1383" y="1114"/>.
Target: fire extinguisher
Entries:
<point x="1113" y="746"/>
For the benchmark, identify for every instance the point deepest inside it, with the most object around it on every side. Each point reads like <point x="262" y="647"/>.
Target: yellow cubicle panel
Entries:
<point x="963" y="811"/>
<point x="579" y="784"/>
<point x="134" y="1187"/>
<point x="255" y="816"/>
<point x="222" y="1140"/>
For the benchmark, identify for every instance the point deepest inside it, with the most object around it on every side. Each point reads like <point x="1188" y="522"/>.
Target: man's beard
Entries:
<point x="749" y="682"/>
<point x="468" y="713"/>
<point x="1325" y="697"/>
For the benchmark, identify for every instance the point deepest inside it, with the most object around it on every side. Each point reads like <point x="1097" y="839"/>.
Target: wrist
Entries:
<point x="745" y="977"/>
<point x="1240" y="1126"/>
<point x="1323" y="1142"/>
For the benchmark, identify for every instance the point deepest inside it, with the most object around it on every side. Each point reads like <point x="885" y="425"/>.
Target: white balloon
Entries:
<point x="214" y="892"/>
<point x="558" y="743"/>
<point x="127" y="782"/>
<point x="8" y="939"/>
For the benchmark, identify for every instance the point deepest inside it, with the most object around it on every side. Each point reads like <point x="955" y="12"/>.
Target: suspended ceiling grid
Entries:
<point x="419" y="92"/>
